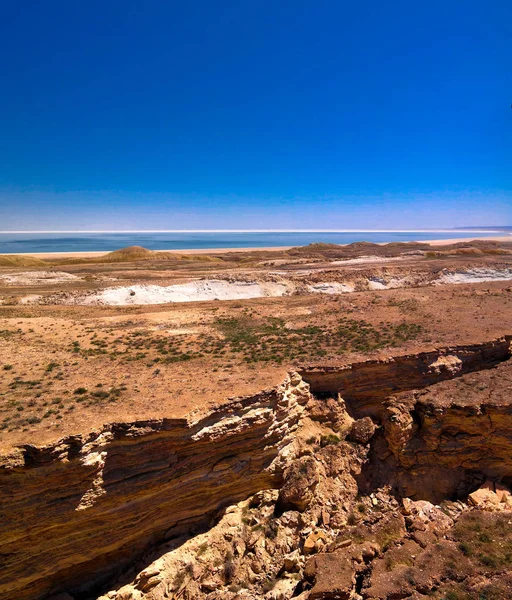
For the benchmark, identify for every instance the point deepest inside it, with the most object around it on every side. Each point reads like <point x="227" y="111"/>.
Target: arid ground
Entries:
<point x="104" y="350"/>
<point x="67" y="368"/>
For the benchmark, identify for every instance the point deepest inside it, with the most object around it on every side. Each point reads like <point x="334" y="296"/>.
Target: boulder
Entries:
<point x="362" y="430"/>
<point x="484" y="498"/>
<point x="300" y="482"/>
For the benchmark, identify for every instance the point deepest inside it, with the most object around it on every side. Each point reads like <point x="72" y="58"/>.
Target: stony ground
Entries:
<point x="66" y="369"/>
<point x="322" y="536"/>
<point x="366" y="509"/>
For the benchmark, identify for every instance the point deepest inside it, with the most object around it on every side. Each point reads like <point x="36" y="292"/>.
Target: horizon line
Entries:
<point x="433" y="230"/>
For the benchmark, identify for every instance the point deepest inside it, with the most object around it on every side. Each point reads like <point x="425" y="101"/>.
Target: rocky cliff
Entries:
<point x="443" y="441"/>
<point x="341" y="525"/>
<point x="363" y="385"/>
<point x="75" y="514"/>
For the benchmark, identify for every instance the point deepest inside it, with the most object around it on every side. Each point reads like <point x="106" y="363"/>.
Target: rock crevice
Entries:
<point x="76" y="513"/>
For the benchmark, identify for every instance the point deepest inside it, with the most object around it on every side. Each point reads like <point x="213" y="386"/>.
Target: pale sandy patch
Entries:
<point x="369" y="259"/>
<point x="475" y="275"/>
<point x="36" y="278"/>
<point x="332" y="287"/>
<point x="494" y="238"/>
<point x="30" y="299"/>
<point x="196" y="291"/>
<point x="379" y="283"/>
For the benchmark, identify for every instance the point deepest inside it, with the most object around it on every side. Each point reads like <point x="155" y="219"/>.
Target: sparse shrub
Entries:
<point x="488" y="560"/>
<point x="229" y="567"/>
<point x="271" y="530"/>
<point x="179" y="578"/>
<point x="465" y="548"/>
<point x="486" y="537"/>
<point x="328" y="440"/>
<point x="202" y="548"/>
<point x="269" y="585"/>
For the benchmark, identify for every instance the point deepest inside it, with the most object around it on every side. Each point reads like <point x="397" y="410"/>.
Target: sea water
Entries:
<point x="184" y="240"/>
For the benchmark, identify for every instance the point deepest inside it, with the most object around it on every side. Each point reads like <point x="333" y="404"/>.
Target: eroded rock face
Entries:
<point x="258" y="549"/>
<point x="444" y="441"/>
<point x="409" y="550"/>
<point x="362" y="430"/>
<point x="315" y="488"/>
<point x="365" y="385"/>
<point x="74" y="512"/>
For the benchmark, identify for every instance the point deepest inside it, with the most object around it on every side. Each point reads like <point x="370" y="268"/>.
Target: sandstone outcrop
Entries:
<point x="455" y="434"/>
<point x="364" y="385"/>
<point x="297" y="496"/>
<point x="393" y="551"/>
<point x="76" y="512"/>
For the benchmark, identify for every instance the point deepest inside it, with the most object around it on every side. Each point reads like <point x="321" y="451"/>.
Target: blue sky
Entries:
<point x="329" y="114"/>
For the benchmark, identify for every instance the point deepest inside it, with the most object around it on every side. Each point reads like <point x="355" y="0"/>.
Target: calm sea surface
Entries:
<point x="88" y="242"/>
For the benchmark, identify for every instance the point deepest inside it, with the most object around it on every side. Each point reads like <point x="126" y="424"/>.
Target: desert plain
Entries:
<point x="295" y="480"/>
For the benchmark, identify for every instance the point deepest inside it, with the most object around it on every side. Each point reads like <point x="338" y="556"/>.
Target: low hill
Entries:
<point x="129" y="254"/>
<point x="136" y="253"/>
<point x="21" y="261"/>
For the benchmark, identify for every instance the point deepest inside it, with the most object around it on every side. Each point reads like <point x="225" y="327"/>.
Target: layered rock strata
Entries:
<point x="363" y="385"/>
<point x="76" y="513"/>
<point x="320" y="538"/>
<point x="443" y="441"/>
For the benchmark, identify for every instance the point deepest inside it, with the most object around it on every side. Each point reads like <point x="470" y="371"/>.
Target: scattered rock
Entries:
<point x="300" y="483"/>
<point x="362" y="430"/>
<point x="293" y="562"/>
<point x="487" y="498"/>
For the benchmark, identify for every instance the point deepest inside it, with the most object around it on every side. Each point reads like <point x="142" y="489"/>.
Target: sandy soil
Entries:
<point x="46" y="367"/>
<point x="494" y="238"/>
<point x="184" y="251"/>
<point x="68" y="369"/>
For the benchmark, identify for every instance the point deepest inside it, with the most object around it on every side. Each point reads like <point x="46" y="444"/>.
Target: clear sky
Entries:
<point x="125" y="114"/>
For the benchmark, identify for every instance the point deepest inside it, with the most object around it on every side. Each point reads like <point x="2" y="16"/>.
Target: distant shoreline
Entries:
<point x="123" y="231"/>
<point x="494" y="238"/>
<point x="96" y="253"/>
